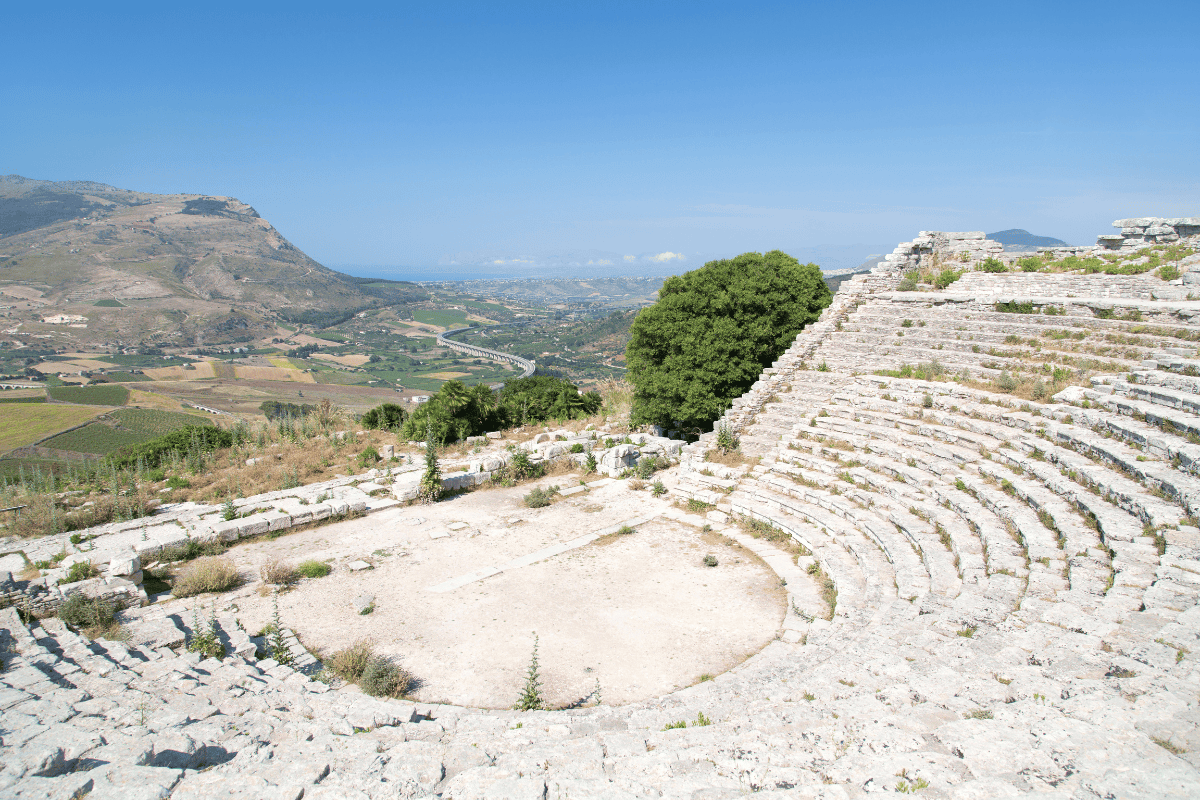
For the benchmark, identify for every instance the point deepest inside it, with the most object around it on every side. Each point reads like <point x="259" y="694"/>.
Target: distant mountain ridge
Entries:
<point x="1023" y="238"/>
<point x="183" y="264"/>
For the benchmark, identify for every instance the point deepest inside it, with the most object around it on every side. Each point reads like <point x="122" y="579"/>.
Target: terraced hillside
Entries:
<point x="993" y="592"/>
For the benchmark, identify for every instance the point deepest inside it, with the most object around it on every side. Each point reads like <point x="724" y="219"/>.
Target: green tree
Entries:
<point x="388" y="417"/>
<point x="714" y="330"/>
<point x="454" y="413"/>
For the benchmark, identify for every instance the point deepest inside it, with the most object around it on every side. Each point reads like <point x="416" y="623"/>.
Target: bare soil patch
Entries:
<point x="642" y="614"/>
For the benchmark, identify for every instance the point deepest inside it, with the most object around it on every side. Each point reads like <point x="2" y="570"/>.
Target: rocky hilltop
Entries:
<point x="180" y="263"/>
<point x="977" y="477"/>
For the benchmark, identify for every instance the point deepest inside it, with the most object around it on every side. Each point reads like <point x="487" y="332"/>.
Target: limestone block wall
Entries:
<point x="1144" y="231"/>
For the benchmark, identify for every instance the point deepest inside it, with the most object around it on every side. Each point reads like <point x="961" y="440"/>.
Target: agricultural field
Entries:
<point x="442" y="319"/>
<point x="25" y="423"/>
<point x="123" y="427"/>
<point x="100" y="395"/>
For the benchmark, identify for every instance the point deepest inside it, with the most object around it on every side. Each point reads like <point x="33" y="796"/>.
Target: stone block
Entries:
<point x="125" y="564"/>
<point x="227" y="531"/>
<point x="277" y="520"/>
<point x="252" y="526"/>
<point x="387" y="451"/>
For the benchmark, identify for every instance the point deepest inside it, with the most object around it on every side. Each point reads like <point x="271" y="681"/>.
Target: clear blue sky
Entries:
<point x="412" y="136"/>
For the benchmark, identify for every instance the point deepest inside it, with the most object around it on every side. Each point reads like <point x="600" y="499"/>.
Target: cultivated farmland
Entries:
<point x="25" y="423"/>
<point x="101" y="395"/>
<point x="129" y="426"/>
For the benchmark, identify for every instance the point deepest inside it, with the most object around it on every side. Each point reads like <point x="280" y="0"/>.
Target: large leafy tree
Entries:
<point x="714" y="330"/>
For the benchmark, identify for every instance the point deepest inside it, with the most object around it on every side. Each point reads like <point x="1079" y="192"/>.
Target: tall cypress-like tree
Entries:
<point x="714" y="330"/>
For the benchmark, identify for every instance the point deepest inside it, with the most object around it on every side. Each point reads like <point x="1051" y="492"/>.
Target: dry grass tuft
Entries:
<point x="350" y="664"/>
<point x="279" y="572"/>
<point x="208" y="574"/>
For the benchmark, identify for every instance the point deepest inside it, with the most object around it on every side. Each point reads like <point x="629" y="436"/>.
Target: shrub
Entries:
<point x="946" y="277"/>
<point x="350" y="663"/>
<point x="577" y="448"/>
<point x="589" y="463"/>
<point x="388" y="417"/>
<point x="79" y="571"/>
<point x="908" y="283"/>
<point x="178" y="482"/>
<point x="1168" y="272"/>
<point x="636" y="484"/>
<point x="522" y="467"/>
<point x="384" y="678"/>
<point x="190" y="549"/>
<point x="927" y="401"/>
<point x="368" y="456"/>
<point x="993" y="265"/>
<point x="543" y="397"/>
<point x="726" y="441"/>
<point x="658" y="489"/>
<point x="80" y="611"/>
<point x="279" y="572"/>
<point x="314" y="569"/>
<point x="191" y="439"/>
<point x="206" y="574"/>
<point x="540" y="498"/>
<point x="228" y="510"/>
<point x="1006" y="382"/>
<point x="710" y="560"/>
<point x="625" y="530"/>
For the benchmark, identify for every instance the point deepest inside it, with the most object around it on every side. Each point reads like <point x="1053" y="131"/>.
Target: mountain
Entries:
<point x="1022" y="238"/>
<point x="185" y="267"/>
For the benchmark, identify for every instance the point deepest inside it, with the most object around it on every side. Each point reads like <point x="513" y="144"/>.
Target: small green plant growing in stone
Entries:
<point x="577" y="448"/>
<point x="369" y="608"/>
<point x="726" y="441"/>
<point x="204" y="639"/>
<point x="927" y="401"/>
<point x="625" y="530"/>
<point x="701" y="721"/>
<point x="431" y="481"/>
<point x="968" y="631"/>
<point x="79" y="571"/>
<point x="670" y="726"/>
<point x="279" y="648"/>
<point x="710" y="560"/>
<point x="589" y="463"/>
<point x="531" y="698"/>
<point x="229" y="510"/>
<point x="658" y="489"/>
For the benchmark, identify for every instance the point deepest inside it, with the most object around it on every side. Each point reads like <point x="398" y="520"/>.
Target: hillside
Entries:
<point x="1018" y="237"/>
<point x="166" y="269"/>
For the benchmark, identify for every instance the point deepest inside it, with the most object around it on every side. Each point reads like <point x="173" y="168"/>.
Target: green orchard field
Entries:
<point x="133" y="426"/>
<point x="25" y="423"/>
<point x="105" y="394"/>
